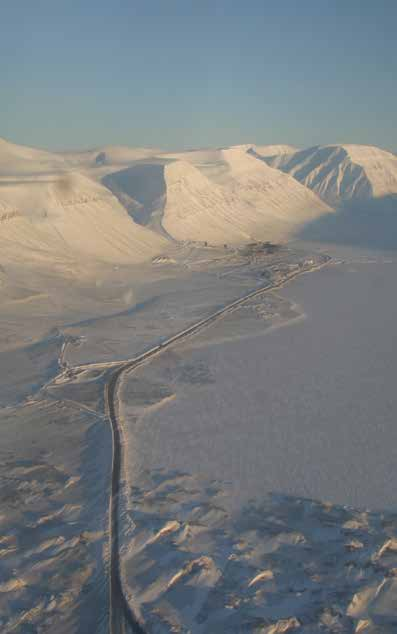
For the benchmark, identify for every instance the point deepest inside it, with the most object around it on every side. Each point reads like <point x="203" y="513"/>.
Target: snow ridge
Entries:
<point x="224" y="197"/>
<point x="342" y="172"/>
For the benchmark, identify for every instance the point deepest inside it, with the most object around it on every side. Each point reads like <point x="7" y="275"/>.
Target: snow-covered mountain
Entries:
<point x="221" y="196"/>
<point x="281" y="206"/>
<point x="121" y="204"/>
<point x="342" y="172"/>
<point x="272" y="150"/>
<point x="198" y="209"/>
<point x="57" y="218"/>
<point x="177" y="199"/>
<point x="19" y="159"/>
<point x="109" y="155"/>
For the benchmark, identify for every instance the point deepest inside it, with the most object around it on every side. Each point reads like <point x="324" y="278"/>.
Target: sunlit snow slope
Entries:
<point x="119" y="204"/>
<point x="217" y="196"/>
<point x="342" y="172"/>
<point x="50" y="219"/>
<point x="198" y="209"/>
<point x="281" y="204"/>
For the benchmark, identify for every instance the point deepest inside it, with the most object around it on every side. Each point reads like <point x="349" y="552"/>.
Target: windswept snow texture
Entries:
<point x="342" y="172"/>
<point x="54" y="475"/>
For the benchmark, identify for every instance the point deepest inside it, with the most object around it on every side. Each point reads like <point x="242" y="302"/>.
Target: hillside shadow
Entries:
<point x="366" y="223"/>
<point x="139" y="188"/>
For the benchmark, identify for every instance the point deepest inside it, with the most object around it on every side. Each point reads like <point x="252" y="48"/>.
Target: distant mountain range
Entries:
<point x="225" y="196"/>
<point x="121" y="205"/>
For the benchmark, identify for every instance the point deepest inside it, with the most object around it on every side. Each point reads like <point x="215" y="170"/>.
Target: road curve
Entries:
<point x="121" y="616"/>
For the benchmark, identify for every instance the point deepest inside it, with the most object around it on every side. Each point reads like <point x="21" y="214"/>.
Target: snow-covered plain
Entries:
<point x="305" y="409"/>
<point x="231" y="437"/>
<point x="56" y="444"/>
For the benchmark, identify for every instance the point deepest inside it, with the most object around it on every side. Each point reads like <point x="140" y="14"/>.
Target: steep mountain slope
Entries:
<point x="55" y="219"/>
<point x="221" y="196"/>
<point x="342" y="172"/>
<point x="198" y="209"/>
<point x="281" y="205"/>
<point x="177" y="199"/>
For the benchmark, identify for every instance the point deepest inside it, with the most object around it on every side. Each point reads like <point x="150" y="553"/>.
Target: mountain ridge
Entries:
<point x="342" y="172"/>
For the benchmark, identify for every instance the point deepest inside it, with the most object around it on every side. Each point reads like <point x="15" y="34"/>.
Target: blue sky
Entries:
<point x="196" y="73"/>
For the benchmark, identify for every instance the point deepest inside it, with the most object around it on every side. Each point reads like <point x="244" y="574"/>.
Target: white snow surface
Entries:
<point x="108" y="155"/>
<point x="274" y="150"/>
<point x="220" y="196"/>
<point x="246" y="408"/>
<point x="57" y="218"/>
<point x="342" y="172"/>
<point x="228" y="196"/>
<point x="281" y="204"/>
<point x="197" y="209"/>
<point x="21" y="159"/>
<point x="56" y="207"/>
<point x="17" y="159"/>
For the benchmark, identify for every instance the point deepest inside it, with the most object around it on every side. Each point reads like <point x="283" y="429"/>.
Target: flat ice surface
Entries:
<point x="308" y="409"/>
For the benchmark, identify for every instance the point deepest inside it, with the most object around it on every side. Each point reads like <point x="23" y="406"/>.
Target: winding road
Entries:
<point x="121" y="617"/>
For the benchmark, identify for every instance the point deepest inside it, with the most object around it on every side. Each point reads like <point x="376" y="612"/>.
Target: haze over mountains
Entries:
<point x="123" y="205"/>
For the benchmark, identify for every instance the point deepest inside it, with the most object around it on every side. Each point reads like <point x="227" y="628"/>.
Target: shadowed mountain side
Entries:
<point x="141" y="189"/>
<point x="371" y="223"/>
<point x="342" y="172"/>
